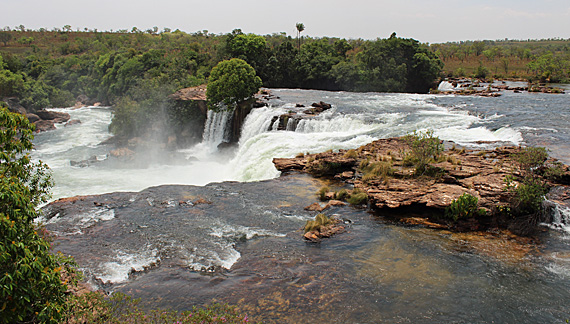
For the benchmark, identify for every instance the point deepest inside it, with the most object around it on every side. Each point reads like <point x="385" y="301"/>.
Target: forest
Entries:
<point x="135" y="70"/>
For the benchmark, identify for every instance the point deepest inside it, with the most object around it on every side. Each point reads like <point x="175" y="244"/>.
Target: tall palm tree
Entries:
<point x="300" y="28"/>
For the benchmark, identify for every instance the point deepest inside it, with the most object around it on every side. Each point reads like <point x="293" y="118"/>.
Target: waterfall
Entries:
<point x="291" y="124"/>
<point x="217" y="127"/>
<point x="560" y="216"/>
<point x="445" y="86"/>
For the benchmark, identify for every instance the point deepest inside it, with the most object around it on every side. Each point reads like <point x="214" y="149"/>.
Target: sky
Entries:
<point x="434" y="21"/>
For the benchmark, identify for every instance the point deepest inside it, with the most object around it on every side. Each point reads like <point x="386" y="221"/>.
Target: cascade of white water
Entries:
<point x="560" y="217"/>
<point x="217" y="127"/>
<point x="258" y="121"/>
<point x="275" y="125"/>
<point x="445" y="86"/>
<point x="291" y="123"/>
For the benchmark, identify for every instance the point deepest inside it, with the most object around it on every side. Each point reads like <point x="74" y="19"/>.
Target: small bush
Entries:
<point x="464" y="207"/>
<point x="351" y="154"/>
<point x="379" y="169"/>
<point x="424" y="148"/>
<point x="530" y="158"/>
<point x="531" y="189"/>
<point x="320" y="221"/>
<point x="528" y="195"/>
<point x="342" y="194"/>
<point x="553" y="171"/>
<point x="363" y="164"/>
<point x="322" y="193"/>
<point x="321" y="168"/>
<point x="358" y="198"/>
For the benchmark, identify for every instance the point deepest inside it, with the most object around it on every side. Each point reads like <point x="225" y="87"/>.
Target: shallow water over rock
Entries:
<point x="377" y="271"/>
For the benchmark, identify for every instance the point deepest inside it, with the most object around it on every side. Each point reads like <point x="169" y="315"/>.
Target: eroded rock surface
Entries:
<point x="478" y="173"/>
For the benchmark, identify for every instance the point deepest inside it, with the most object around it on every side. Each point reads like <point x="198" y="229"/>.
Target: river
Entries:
<point x="245" y="248"/>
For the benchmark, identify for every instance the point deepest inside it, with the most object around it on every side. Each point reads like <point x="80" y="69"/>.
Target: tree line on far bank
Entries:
<point x="136" y="71"/>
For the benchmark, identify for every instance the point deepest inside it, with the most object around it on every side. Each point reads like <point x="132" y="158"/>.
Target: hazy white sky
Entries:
<point x="427" y="21"/>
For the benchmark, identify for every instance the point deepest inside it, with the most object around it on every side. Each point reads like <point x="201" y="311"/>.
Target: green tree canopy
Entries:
<point x="31" y="287"/>
<point x="231" y="82"/>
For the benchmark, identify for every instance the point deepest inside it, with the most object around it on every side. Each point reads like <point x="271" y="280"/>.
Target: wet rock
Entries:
<point x="259" y="104"/>
<point x="122" y="153"/>
<point x="321" y="106"/>
<point x="44" y="125"/>
<point x="32" y="117"/>
<point x="286" y="164"/>
<point x="73" y="122"/>
<point x="85" y="163"/>
<point x="15" y="106"/>
<point x="224" y="146"/>
<point x="202" y="201"/>
<point x="57" y="117"/>
<point x="319" y="208"/>
<point x="314" y="207"/>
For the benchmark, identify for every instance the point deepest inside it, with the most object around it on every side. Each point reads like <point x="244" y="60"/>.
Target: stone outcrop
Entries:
<point x="478" y="173"/>
<point x="44" y="120"/>
<point x="476" y="87"/>
<point x="197" y="94"/>
<point x="290" y="120"/>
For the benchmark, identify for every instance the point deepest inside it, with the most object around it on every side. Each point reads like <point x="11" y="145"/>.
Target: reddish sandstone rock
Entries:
<point x="478" y="173"/>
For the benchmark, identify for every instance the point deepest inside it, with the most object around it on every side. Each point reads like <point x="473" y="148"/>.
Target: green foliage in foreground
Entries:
<point x="464" y="207"/>
<point x="122" y="309"/>
<point x="231" y="82"/>
<point x="31" y="287"/>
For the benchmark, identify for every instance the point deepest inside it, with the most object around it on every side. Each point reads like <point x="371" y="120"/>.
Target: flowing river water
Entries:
<point x="243" y="245"/>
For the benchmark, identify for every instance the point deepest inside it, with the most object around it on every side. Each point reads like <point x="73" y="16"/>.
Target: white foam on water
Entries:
<point x="254" y="159"/>
<point x="237" y="232"/>
<point x="125" y="263"/>
<point x="76" y="223"/>
<point x="224" y="255"/>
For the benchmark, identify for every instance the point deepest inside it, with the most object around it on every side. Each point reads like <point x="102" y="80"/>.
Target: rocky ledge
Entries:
<point x="43" y="119"/>
<point x="382" y="173"/>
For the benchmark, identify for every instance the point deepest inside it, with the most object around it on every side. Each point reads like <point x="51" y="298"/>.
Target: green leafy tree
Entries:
<point x="31" y="287"/>
<point x="300" y="28"/>
<point x="231" y="82"/>
<point x="250" y="48"/>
